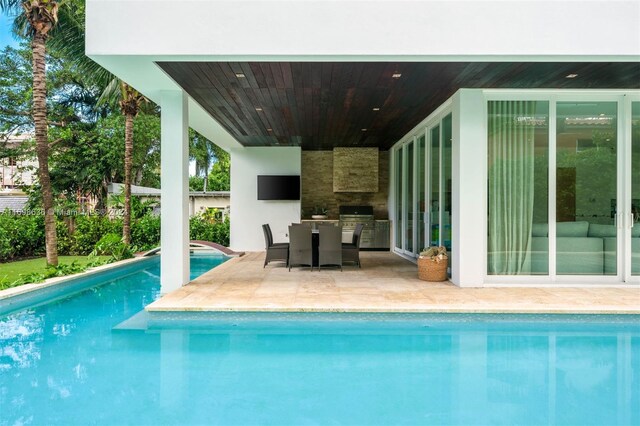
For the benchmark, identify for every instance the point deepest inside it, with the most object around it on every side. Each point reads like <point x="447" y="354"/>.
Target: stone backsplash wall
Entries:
<point x="355" y="169"/>
<point x="317" y="186"/>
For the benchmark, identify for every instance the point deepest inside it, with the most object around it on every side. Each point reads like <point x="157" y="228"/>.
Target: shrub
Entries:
<point x="112" y="245"/>
<point x="65" y="241"/>
<point x="202" y="229"/>
<point x="145" y="232"/>
<point x="5" y="246"/>
<point x="23" y="236"/>
<point x="90" y="229"/>
<point x="20" y="236"/>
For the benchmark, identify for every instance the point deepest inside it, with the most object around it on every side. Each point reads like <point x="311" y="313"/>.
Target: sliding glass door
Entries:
<point x="518" y="154"/>
<point x="446" y="184"/>
<point x="634" y="215"/>
<point x="421" y="170"/>
<point x="397" y="178"/>
<point x="586" y="188"/>
<point x="409" y="180"/>
<point x="422" y="184"/>
<point x="434" y="186"/>
<point x="564" y="189"/>
<point x="440" y="184"/>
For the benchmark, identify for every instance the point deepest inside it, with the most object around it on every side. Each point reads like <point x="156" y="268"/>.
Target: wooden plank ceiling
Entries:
<point x="322" y="105"/>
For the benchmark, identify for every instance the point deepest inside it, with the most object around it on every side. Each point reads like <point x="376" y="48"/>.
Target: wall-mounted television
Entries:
<point x="278" y="187"/>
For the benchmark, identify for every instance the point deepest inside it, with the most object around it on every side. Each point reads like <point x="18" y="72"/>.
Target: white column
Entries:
<point x="469" y="181"/>
<point x="174" y="239"/>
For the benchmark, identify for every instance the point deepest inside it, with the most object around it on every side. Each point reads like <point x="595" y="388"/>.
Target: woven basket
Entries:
<point x="429" y="270"/>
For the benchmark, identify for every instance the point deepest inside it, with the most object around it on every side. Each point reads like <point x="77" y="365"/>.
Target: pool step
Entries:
<point x="138" y="322"/>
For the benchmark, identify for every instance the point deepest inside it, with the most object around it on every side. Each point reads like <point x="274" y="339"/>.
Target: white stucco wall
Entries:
<point x="247" y="212"/>
<point x="483" y="28"/>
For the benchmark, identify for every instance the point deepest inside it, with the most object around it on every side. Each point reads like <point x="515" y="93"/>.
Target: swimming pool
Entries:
<point x="92" y="358"/>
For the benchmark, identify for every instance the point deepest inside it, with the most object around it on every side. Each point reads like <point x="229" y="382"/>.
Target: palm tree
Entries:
<point x="203" y="152"/>
<point x="71" y="41"/>
<point x="39" y="17"/>
<point x="130" y="102"/>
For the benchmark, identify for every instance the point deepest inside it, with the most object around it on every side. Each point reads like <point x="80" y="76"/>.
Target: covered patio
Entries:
<point x="292" y="96"/>
<point x="385" y="283"/>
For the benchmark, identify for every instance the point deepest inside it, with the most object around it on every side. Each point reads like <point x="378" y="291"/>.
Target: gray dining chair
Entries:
<point x="330" y="246"/>
<point x="351" y="251"/>
<point x="300" y="246"/>
<point x="307" y="224"/>
<point x="275" y="251"/>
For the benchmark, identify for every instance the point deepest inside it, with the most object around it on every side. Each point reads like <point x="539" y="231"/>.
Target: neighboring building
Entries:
<point x="16" y="172"/>
<point x="199" y="202"/>
<point x="14" y="201"/>
<point x="508" y="131"/>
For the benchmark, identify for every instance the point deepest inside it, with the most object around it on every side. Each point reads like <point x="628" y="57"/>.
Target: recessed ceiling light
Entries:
<point x="376" y="109"/>
<point x="364" y="130"/>
<point x="258" y="109"/>
<point x="240" y="75"/>
<point x="571" y="75"/>
<point x="396" y="75"/>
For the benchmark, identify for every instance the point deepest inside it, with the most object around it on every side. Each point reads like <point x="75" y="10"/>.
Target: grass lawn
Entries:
<point x="11" y="271"/>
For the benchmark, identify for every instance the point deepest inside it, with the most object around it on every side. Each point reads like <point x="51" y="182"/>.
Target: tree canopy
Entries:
<point x="86" y="135"/>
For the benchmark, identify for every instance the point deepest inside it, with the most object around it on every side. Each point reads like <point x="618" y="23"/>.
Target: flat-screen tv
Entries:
<point x="278" y="187"/>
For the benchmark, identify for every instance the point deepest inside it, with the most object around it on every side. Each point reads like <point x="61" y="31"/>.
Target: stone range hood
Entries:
<point x="355" y="170"/>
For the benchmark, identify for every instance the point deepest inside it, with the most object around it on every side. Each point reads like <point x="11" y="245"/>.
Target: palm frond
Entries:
<point x="111" y="94"/>
<point x="68" y="38"/>
<point x="11" y="6"/>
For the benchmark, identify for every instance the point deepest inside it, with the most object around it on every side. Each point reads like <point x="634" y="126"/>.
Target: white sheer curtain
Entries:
<point x="511" y="186"/>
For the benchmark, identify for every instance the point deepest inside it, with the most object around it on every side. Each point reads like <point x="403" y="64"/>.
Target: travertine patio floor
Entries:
<point x="385" y="283"/>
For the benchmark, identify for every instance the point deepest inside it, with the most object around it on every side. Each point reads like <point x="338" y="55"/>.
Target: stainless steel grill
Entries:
<point x="350" y="216"/>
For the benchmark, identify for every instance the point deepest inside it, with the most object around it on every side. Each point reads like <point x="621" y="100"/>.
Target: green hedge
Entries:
<point x="23" y="236"/>
<point x="203" y="229"/>
<point x="88" y="231"/>
<point x="145" y="232"/>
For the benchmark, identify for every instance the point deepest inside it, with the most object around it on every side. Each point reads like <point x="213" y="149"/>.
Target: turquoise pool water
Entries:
<point x="64" y="363"/>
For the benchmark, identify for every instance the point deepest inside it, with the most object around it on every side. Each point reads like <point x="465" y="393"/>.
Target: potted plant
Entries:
<point x="432" y="264"/>
<point x="319" y="213"/>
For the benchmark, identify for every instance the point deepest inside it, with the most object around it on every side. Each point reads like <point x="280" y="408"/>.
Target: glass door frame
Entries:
<point x="627" y="132"/>
<point x="426" y="223"/>
<point x="623" y="181"/>
<point x="428" y="196"/>
<point x="396" y="157"/>
<point x="409" y="211"/>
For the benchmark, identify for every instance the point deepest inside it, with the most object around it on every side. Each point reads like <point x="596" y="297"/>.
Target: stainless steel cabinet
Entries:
<point x="382" y="236"/>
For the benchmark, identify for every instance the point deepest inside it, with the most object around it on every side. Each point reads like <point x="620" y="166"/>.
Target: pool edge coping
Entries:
<point x="378" y="310"/>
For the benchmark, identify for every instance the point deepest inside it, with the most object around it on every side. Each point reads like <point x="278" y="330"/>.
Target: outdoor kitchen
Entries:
<point x="347" y="186"/>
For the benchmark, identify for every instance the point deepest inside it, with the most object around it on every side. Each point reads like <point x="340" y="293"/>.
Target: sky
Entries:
<point x="6" y="38"/>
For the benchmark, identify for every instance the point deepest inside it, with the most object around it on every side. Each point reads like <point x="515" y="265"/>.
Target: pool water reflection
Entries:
<point x="62" y="363"/>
